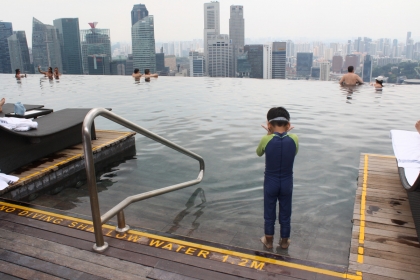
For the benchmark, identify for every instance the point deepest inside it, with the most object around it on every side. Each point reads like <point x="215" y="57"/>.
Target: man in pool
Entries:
<point x="148" y="75"/>
<point x="280" y="149"/>
<point x="136" y="75"/>
<point x="350" y="79"/>
<point x="18" y="75"/>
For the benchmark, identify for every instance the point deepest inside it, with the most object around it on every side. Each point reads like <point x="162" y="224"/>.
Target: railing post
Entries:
<point x="122" y="227"/>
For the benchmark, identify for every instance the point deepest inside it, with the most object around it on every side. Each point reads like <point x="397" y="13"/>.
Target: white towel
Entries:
<point x="6" y="180"/>
<point x="18" y="124"/>
<point x="406" y="145"/>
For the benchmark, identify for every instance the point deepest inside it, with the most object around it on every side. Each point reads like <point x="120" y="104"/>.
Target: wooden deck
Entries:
<point x="384" y="240"/>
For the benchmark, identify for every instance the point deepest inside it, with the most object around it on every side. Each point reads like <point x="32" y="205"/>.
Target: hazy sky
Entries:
<point x="182" y="20"/>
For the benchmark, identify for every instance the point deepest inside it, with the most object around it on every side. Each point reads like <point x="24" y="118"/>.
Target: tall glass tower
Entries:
<point x="95" y="41"/>
<point x="367" y="69"/>
<point x="304" y="64"/>
<point x="138" y="12"/>
<point x="237" y="32"/>
<point x="278" y="69"/>
<point x="211" y="26"/>
<point x="19" y="52"/>
<point x="46" y="49"/>
<point x="6" y="30"/>
<point x="143" y="43"/>
<point x="69" y="35"/>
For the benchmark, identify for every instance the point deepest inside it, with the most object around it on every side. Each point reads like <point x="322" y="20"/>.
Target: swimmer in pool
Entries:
<point x="57" y="73"/>
<point x="136" y="75"/>
<point x="48" y="74"/>
<point x="148" y="75"/>
<point x="350" y="79"/>
<point x="18" y="75"/>
<point x="2" y="101"/>
<point x="417" y="126"/>
<point x="378" y="84"/>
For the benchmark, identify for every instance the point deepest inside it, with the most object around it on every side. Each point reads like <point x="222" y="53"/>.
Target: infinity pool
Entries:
<point x="220" y="119"/>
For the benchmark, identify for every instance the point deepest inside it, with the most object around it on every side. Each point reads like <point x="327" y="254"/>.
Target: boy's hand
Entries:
<point x="290" y="128"/>
<point x="266" y="128"/>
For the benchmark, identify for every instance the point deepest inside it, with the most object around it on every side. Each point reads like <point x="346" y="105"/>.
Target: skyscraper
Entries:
<point x="256" y="60"/>
<point x="278" y="68"/>
<point x="303" y="64"/>
<point x="143" y="40"/>
<point x="219" y="56"/>
<point x="6" y="30"/>
<point x="268" y="61"/>
<point x="367" y="69"/>
<point x="160" y="62"/>
<point x="197" y="64"/>
<point x="324" y="74"/>
<point x="19" y="52"/>
<point x="337" y="63"/>
<point x="237" y="31"/>
<point x="351" y="60"/>
<point x="46" y="50"/>
<point x="211" y="25"/>
<point x="69" y="35"/>
<point x="408" y="37"/>
<point x="138" y="12"/>
<point x="95" y="41"/>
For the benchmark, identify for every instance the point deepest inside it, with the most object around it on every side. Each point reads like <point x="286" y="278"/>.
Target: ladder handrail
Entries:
<point x="97" y="219"/>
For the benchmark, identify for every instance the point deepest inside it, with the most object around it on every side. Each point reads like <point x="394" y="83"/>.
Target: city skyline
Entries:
<point x="262" y="20"/>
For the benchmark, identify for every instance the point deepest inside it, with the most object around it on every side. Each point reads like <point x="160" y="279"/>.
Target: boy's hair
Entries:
<point x="350" y="69"/>
<point x="278" y="112"/>
<point x="146" y="71"/>
<point x="136" y="70"/>
<point x="17" y="70"/>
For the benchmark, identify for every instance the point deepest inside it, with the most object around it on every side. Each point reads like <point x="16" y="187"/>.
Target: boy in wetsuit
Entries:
<point x="280" y="149"/>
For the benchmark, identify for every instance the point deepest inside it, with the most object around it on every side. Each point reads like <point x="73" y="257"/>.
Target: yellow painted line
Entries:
<point x="381" y="156"/>
<point x="204" y="247"/>
<point x="56" y="165"/>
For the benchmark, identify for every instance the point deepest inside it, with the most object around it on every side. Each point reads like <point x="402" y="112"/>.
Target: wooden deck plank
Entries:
<point x="415" y="260"/>
<point x="384" y="271"/>
<point x="394" y="264"/>
<point x="23" y="272"/>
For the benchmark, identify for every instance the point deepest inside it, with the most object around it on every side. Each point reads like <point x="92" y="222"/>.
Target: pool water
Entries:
<point x="220" y="119"/>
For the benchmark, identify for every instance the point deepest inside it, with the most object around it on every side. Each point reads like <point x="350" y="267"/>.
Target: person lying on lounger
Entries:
<point x="2" y="101"/>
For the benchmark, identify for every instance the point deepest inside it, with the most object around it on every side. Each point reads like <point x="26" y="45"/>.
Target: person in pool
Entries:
<point x="350" y="79"/>
<point x="18" y="75"/>
<point x="148" y="75"/>
<point x="136" y="75"/>
<point x="378" y="84"/>
<point x="2" y="101"/>
<point x="48" y="74"/>
<point x="57" y="73"/>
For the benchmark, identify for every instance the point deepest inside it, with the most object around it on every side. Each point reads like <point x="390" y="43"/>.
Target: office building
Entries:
<point x="211" y="25"/>
<point x="236" y="32"/>
<point x="337" y="63"/>
<point x="243" y="67"/>
<point x="19" y="53"/>
<point x="95" y="41"/>
<point x="99" y="64"/>
<point x="118" y="65"/>
<point x="6" y="30"/>
<point x="290" y="49"/>
<point x="278" y="58"/>
<point x="409" y="49"/>
<point x="129" y="67"/>
<point x="197" y="64"/>
<point x="46" y="49"/>
<point x="328" y="53"/>
<point x="268" y="61"/>
<point x="160" y="62"/>
<point x="143" y="42"/>
<point x="219" y="63"/>
<point x="69" y="35"/>
<point x="255" y="55"/>
<point x="303" y="64"/>
<point x="408" y="37"/>
<point x="324" y="71"/>
<point x="170" y="62"/>
<point x="315" y="73"/>
<point x="367" y="69"/>
<point x="351" y="60"/>
<point x="138" y="12"/>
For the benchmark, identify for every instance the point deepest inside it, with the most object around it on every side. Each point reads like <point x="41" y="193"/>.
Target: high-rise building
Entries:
<point x="118" y="65"/>
<point x="138" y="12"/>
<point x="337" y="63"/>
<point x="197" y="64"/>
<point x="160" y="62"/>
<point x="129" y="67"/>
<point x="372" y="48"/>
<point x="237" y="31"/>
<point x="19" y="53"/>
<point x="69" y="35"/>
<point x="143" y="42"/>
<point x="351" y="60"/>
<point x="409" y="50"/>
<point x="219" y="56"/>
<point x="328" y="53"/>
<point x="211" y="25"/>
<point x="243" y="67"/>
<point x="6" y="30"/>
<point x="324" y="68"/>
<point x="46" y="50"/>
<point x="290" y="49"/>
<point x="268" y="61"/>
<point x="303" y="64"/>
<point x="367" y="69"/>
<point x="95" y="41"/>
<point x="408" y="37"/>
<point x="99" y="64"/>
<point x="315" y="73"/>
<point x="278" y="68"/>
<point x="256" y="60"/>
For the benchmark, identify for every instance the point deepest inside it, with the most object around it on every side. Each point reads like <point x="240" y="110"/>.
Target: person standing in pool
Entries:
<point x="148" y="75"/>
<point x="57" y="73"/>
<point x="280" y="148"/>
<point x="350" y="79"/>
<point x="48" y="74"/>
<point x="18" y="75"/>
<point x="136" y="75"/>
<point x="378" y="83"/>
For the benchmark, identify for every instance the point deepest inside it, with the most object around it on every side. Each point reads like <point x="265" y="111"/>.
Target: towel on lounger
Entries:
<point x="18" y="124"/>
<point x="6" y="180"/>
<point x="406" y="145"/>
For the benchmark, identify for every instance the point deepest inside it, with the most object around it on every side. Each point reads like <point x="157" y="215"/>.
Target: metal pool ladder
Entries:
<point x="118" y="209"/>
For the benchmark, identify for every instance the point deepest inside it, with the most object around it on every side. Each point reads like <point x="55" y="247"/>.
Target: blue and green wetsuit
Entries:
<point x="280" y="150"/>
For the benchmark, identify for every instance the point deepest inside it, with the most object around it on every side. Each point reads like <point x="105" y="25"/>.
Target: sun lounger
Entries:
<point x="10" y="108"/>
<point x="56" y="131"/>
<point x="406" y="145"/>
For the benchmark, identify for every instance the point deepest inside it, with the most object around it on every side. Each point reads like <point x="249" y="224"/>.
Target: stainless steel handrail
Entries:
<point x="97" y="219"/>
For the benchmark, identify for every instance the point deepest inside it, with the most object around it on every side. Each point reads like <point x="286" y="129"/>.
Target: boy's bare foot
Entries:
<point x="417" y="126"/>
<point x="284" y="243"/>
<point x="267" y="240"/>
<point x="2" y="101"/>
